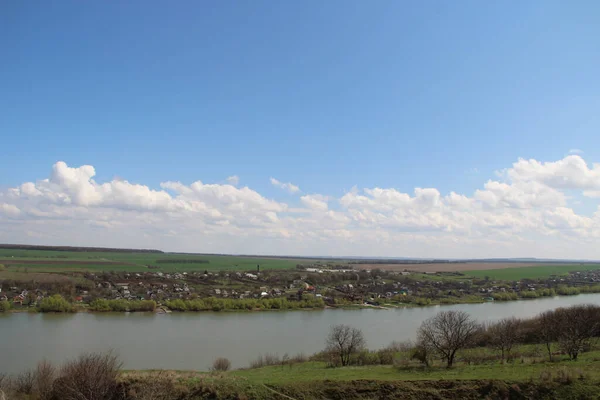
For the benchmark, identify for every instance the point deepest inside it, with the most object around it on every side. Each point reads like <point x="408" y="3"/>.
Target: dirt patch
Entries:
<point x="33" y="276"/>
<point x="12" y="261"/>
<point x="449" y="267"/>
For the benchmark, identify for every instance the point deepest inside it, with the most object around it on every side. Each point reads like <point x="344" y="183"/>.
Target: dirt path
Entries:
<point x="285" y="396"/>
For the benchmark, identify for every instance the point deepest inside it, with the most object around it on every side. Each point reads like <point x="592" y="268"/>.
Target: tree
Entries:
<point x="546" y="330"/>
<point x="221" y="364"/>
<point x="343" y="341"/>
<point x="576" y="326"/>
<point x="505" y="334"/>
<point x="448" y="332"/>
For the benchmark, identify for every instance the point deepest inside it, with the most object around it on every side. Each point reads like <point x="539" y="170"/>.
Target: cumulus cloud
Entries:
<point x="572" y="172"/>
<point x="289" y="187"/>
<point x="524" y="211"/>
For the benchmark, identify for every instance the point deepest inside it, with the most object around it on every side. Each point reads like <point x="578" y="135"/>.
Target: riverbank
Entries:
<point x="163" y="309"/>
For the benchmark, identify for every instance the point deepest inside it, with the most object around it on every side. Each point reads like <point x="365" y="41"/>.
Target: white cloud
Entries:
<point x="592" y="193"/>
<point x="572" y="172"/>
<point x="9" y="210"/>
<point x="575" y="151"/>
<point x="524" y="211"/>
<point x="289" y="187"/>
<point x="315" y="201"/>
<point x="233" y="180"/>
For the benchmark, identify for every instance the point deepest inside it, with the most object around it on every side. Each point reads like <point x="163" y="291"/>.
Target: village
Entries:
<point x="336" y="286"/>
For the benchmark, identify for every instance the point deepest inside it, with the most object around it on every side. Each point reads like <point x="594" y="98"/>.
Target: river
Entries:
<point x="191" y="341"/>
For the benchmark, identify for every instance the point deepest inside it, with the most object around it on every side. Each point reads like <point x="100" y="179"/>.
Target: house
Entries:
<point x="18" y="299"/>
<point x="264" y="294"/>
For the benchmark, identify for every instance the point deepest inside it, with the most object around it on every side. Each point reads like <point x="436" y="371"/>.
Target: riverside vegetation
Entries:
<point x="551" y="356"/>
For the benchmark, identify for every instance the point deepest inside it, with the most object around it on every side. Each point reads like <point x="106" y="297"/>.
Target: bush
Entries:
<point x="218" y="304"/>
<point x="91" y="376"/>
<point x="4" y="306"/>
<point x="530" y="294"/>
<point x="567" y="291"/>
<point x="505" y="296"/>
<point x="44" y="379"/>
<point x="103" y="305"/>
<point x="24" y="382"/>
<point x="55" y="303"/>
<point x="221" y="364"/>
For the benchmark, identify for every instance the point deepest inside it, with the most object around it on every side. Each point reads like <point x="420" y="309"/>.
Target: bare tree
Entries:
<point x="576" y="326"/>
<point x="448" y="332"/>
<point x="546" y="330"/>
<point x="344" y="340"/>
<point x="221" y="364"/>
<point x="505" y="334"/>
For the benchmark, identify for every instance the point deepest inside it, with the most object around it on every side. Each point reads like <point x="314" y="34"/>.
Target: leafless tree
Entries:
<point x="221" y="364"/>
<point x="546" y="329"/>
<point x="576" y="326"/>
<point x="504" y="334"/>
<point x="447" y="332"/>
<point x="344" y="340"/>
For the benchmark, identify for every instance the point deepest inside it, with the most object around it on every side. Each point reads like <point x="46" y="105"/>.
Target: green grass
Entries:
<point x="139" y="261"/>
<point x="542" y="271"/>
<point x="317" y="371"/>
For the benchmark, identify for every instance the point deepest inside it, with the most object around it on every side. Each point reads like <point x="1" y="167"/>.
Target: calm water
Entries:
<point x="192" y="341"/>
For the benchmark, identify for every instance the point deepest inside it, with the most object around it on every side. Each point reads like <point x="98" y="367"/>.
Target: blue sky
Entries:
<point x="326" y="95"/>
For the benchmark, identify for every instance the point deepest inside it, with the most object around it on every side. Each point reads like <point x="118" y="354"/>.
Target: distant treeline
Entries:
<point x="71" y="248"/>
<point x="181" y="261"/>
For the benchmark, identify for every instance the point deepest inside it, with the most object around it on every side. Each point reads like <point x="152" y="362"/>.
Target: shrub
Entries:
<point x="24" y="382"/>
<point x="44" y="378"/>
<point x="221" y="364"/>
<point x="567" y="290"/>
<point x="505" y="296"/>
<point x="386" y="356"/>
<point x="123" y="305"/>
<point x="4" y="306"/>
<point x="529" y="294"/>
<point x="91" y="376"/>
<point x="55" y="303"/>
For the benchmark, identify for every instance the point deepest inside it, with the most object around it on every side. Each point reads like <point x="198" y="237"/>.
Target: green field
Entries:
<point x="537" y="272"/>
<point x="315" y="371"/>
<point x="63" y="261"/>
